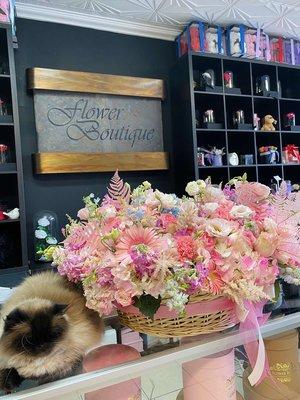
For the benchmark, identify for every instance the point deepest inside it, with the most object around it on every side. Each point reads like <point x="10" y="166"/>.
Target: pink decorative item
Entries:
<point x="4" y="10"/>
<point x="210" y="378"/>
<point x="108" y="356"/>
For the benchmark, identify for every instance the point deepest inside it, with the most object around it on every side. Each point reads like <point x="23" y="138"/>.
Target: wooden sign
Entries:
<point x="79" y="113"/>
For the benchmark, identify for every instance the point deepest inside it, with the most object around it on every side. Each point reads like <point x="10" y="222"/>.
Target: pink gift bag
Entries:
<point x="210" y="378"/>
<point x="109" y="356"/>
<point x="4" y="10"/>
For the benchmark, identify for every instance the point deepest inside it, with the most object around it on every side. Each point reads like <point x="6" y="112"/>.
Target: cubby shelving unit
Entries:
<point x="188" y="105"/>
<point x="13" y="265"/>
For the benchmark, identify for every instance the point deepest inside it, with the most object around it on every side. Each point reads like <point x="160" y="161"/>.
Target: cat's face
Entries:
<point x="34" y="330"/>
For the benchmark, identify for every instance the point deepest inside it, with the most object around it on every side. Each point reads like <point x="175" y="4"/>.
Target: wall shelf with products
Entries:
<point x="13" y="242"/>
<point x="207" y="116"/>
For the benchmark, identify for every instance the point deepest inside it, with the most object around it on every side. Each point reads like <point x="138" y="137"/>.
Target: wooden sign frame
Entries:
<point x="87" y="82"/>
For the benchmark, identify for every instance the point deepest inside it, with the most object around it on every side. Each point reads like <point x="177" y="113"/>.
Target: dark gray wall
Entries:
<point x="65" y="47"/>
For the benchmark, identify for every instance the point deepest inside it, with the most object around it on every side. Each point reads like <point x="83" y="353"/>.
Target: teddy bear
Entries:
<point x="268" y="123"/>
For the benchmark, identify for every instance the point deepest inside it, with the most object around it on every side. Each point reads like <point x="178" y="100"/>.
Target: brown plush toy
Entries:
<point x="268" y="123"/>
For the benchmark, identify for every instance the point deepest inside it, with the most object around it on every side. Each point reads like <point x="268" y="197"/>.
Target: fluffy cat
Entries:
<point x="45" y="330"/>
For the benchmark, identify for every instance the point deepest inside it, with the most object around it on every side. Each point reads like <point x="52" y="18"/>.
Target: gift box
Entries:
<point x="235" y="40"/>
<point x="214" y="40"/>
<point x="210" y="378"/>
<point x="277" y="49"/>
<point x="192" y="38"/>
<point x="290" y="154"/>
<point x="292" y="51"/>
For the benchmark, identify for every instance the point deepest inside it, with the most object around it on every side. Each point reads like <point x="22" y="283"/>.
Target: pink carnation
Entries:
<point x="186" y="248"/>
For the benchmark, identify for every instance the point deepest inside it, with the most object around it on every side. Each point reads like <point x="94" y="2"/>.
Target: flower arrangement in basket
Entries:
<point x="179" y="266"/>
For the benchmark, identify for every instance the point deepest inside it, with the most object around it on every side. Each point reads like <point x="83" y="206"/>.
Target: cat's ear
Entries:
<point x="59" y="309"/>
<point x="15" y="317"/>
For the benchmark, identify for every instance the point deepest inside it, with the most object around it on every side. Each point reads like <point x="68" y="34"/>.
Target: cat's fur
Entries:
<point x="45" y="330"/>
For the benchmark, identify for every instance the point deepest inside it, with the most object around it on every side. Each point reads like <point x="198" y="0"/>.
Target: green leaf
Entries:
<point x="147" y="304"/>
<point x="277" y="291"/>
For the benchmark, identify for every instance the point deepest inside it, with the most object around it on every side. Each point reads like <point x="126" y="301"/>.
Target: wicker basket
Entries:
<point x="192" y="324"/>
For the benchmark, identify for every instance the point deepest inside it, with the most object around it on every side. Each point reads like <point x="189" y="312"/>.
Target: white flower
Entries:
<point x="218" y="227"/>
<point x="110" y="212"/>
<point x="167" y="200"/>
<point x="51" y="240"/>
<point x="40" y="234"/>
<point x="270" y="225"/>
<point x="210" y="208"/>
<point x="44" y="221"/>
<point x="223" y="249"/>
<point x="178" y="302"/>
<point x="241" y="211"/>
<point x="192" y="188"/>
<point x="201" y="184"/>
<point x="147" y="185"/>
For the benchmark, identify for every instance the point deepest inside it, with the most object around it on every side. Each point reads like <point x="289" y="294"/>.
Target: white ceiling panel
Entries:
<point x="165" y="18"/>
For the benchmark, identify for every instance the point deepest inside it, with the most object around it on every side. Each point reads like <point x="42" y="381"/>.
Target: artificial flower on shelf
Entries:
<point x="147" y="248"/>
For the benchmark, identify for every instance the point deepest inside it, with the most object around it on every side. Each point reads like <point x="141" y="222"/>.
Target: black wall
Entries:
<point x="58" y="46"/>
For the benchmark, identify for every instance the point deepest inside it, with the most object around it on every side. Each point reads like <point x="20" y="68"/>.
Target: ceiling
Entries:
<point x="165" y="18"/>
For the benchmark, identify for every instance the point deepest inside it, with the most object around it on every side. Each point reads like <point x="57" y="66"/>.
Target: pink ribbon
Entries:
<point x="255" y="349"/>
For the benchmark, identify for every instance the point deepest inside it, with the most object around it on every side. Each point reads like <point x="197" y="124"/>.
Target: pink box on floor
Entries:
<point x="109" y="356"/>
<point x="210" y="378"/>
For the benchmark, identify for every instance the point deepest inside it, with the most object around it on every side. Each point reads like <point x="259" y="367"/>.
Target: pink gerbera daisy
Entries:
<point x="137" y="238"/>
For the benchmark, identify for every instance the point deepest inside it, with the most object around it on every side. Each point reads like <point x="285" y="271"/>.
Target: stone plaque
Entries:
<point x="75" y="122"/>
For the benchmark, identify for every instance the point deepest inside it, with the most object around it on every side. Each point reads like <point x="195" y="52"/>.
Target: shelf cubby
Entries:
<point x="259" y="70"/>
<point x="241" y="143"/>
<point x="241" y="76"/>
<point x="201" y="65"/>
<point x="217" y="174"/>
<point x="211" y="139"/>
<point x="291" y="172"/>
<point x="289" y="80"/>
<point x="236" y="103"/>
<point x="211" y="102"/>
<point x="239" y="170"/>
<point x="267" y="172"/>
<point x="13" y="240"/>
<point x="10" y="250"/>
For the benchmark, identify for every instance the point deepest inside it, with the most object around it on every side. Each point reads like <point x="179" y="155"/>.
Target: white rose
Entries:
<point x="167" y="200"/>
<point x="192" y="188"/>
<point x="241" y="211"/>
<point x="201" y="184"/>
<point x="44" y="221"/>
<point x="40" y="234"/>
<point x="218" y="227"/>
<point x="210" y="208"/>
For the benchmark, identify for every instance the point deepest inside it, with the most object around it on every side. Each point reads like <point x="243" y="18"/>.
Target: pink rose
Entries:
<point x="166" y="220"/>
<point x="260" y="191"/>
<point x="266" y="244"/>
